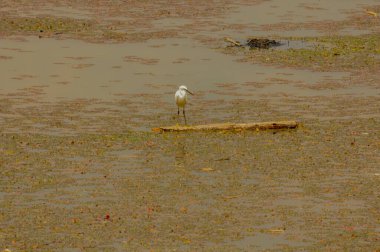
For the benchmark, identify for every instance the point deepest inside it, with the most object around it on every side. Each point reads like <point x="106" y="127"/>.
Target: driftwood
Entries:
<point x="234" y="42"/>
<point x="372" y="13"/>
<point x="231" y="126"/>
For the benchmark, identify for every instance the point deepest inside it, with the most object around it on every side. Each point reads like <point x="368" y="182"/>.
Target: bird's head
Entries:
<point x="184" y="88"/>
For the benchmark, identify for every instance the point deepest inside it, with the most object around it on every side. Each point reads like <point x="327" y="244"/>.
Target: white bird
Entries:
<point x="181" y="98"/>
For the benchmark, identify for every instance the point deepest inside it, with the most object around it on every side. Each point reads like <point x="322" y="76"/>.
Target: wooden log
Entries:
<point x="231" y="126"/>
<point x="230" y="40"/>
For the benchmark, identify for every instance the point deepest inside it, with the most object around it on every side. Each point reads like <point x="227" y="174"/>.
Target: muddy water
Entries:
<point x="81" y="171"/>
<point x="131" y="78"/>
<point x="253" y="19"/>
<point x="288" y="190"/>
<point x="74" y="69"/>
<point x="277" y="11"/>
<point x="50" y="10"/>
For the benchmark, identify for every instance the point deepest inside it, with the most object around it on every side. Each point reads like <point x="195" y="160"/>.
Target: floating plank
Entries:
<point x="372" y="13"/>
<point x="231" y="126"/>
<point x="230" y="40"/>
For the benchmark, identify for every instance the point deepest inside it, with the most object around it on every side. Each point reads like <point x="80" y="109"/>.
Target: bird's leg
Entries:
<point x="178" y="111"/>
<point x="184" y="115"/>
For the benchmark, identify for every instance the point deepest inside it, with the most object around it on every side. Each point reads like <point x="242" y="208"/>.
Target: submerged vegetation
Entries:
<point x="306" y="189"/>
<point x="45" y="26"/>
<point x="88" y="30"/>
<point x="87" y="174"/>
<point x="340" y="53"/>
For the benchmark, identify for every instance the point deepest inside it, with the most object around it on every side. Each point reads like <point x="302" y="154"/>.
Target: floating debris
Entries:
<point x="262" y="43"/>
<point x="372" y="13"/>
<point x="233" y="42"/>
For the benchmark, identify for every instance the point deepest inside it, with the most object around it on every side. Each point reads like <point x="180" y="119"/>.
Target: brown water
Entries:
<point x="298" y="11"/>
<point x="80" y="169"/>
<point x="75" y="69"/>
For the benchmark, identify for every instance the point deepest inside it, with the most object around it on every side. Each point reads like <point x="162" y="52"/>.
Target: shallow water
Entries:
<point x="75" y="69"/>
<point x="82" y="171"/>
<point x="299" y="11"/>
<point x="51" y="10"/>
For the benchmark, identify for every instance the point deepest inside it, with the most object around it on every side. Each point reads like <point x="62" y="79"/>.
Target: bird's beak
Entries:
<point x="189" y="92"/>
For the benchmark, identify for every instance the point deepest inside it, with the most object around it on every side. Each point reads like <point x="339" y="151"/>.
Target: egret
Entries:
<point x="181" y="98"/>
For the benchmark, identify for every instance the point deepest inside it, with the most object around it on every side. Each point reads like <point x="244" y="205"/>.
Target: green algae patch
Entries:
<point x="82" y="29"/>
<point x="337" y="53"/>
<point x="304" y="190"/>
<point x="45" y="26"/>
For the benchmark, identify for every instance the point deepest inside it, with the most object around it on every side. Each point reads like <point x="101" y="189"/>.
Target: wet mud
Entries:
<point x="82" y="84"/>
